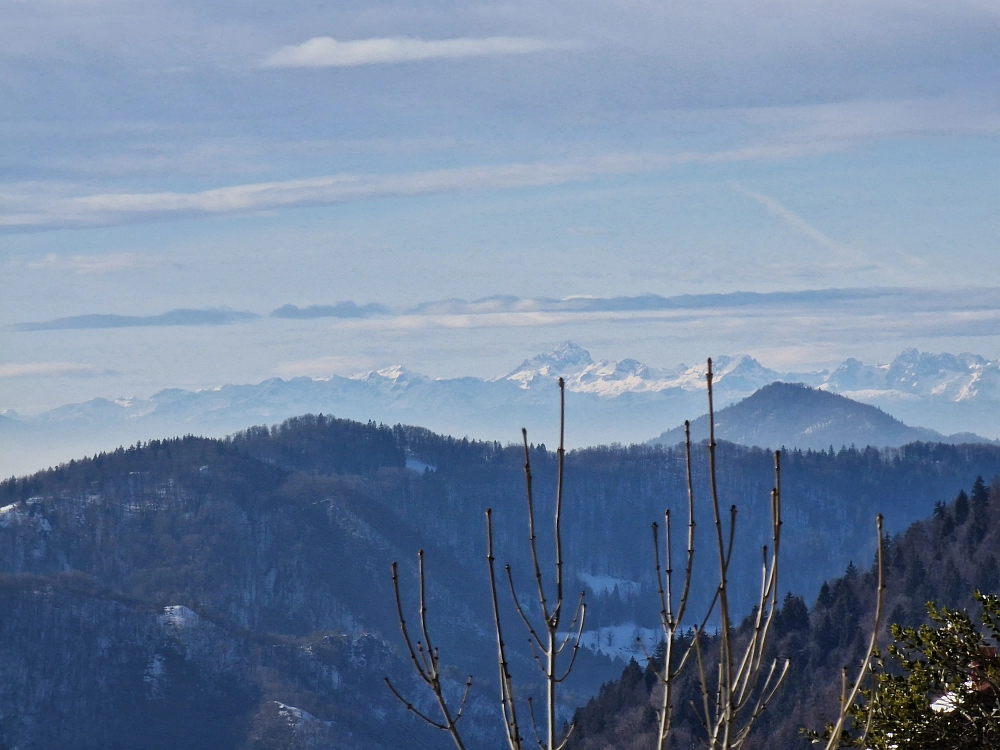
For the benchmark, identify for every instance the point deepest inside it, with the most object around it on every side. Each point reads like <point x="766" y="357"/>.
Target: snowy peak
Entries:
<point x="955" y="377"/>
<point x="394" y="378"/>
<point x="583" y="375"/>
<point x="740" y="374"/>
<point x="566" y="359"/>
<point x="855" y="375"/>
<point x="615" y="378"/>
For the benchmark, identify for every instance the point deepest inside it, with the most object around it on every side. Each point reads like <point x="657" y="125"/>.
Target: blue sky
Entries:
<point x="164" y="154"/>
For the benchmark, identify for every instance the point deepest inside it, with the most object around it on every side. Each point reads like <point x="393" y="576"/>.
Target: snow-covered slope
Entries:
<point x="609" y="401"/>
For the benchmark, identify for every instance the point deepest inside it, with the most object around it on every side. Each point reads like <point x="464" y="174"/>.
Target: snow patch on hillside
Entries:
<point x="180" y="617"/>
<point x="626" y="641"/>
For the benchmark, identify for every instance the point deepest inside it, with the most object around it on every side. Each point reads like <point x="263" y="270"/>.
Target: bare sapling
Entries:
<point x="547" y="642"/>
<point x="836" y="737"/>
<point x="732" y="694"/>
<point x="427" y="663"/>
<point x="740" y="684"/>
<point x="736" y="678"/>
<point x="671" y="618"/>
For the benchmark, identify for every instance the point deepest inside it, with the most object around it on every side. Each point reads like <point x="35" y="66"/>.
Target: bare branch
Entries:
<point x="569" y="733"/>
<point x="847" y="699"/>
<point x="578" y="616"/>
<point x="520" y="609"/>
<point x="425" y="662"/>
<point x="534" y="724"/>
<point x="465" y="697"/>
<point x="531" y="526"/>
<point x="561" y="455"/>
<point x="660" y="587"/>
<point x="689" y="565"/>
<point x="506" y="689"/>
<point x="572" y="659"/>
<point x="417" y="662"/>
<point x="411" y="707"/>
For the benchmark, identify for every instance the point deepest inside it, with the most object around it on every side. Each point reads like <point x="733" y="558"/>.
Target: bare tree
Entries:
<point x="546" y="642"/>
<point x="549" y="646"/>
<point x="835" y="732"/>
<point x="427" y="662"/>
<point x="671" y="619"/>
<point x="732" y="694"/>
<point x="734" y="691"/>
<point x="728" y="691"/>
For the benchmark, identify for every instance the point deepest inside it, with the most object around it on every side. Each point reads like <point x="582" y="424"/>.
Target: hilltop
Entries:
<point x="794" y="415"/>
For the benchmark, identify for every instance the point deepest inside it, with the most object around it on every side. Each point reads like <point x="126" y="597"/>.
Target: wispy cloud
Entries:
<point x="171" y="318"/>
<point x="93" y="264"/>
<point x="876" y="119"/>
<point x="841" y="256"/>
<point x="23" y="211"/>
<point x="326" y="52"/>
<point x="50" y="370"/>
<point x="509" y="310"/>
<point x="796" y="222"/>
<point x="912" y="298"/>
<point x="346" y="309"/>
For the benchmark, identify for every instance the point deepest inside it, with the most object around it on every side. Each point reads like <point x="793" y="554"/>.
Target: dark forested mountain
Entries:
<point x="235" y="593"/>
<point x="797" y="416"/>
<point x="941" y="559"/>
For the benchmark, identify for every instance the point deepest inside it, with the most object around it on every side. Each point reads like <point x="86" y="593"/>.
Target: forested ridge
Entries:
<point x="943" y="559"/>
<point x="235" y="593"/>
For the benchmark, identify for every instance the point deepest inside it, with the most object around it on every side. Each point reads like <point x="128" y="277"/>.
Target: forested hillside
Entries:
<point x="236" y="594"/>
<point x="941" y="559"/>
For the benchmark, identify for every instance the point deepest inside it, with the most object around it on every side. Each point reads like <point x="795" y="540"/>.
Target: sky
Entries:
<point x="233" y="158"/>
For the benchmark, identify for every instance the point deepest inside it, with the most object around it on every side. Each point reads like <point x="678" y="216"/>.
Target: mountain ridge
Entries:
<point x="248" y="579"/>
<point x="797" y="416"/>
<point x="622" y="401"/>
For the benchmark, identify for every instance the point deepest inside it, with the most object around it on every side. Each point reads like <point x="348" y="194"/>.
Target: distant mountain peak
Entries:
<point x="394" y="376"/>
<point x="796" y="415"/>
<point x="566" y="357"/>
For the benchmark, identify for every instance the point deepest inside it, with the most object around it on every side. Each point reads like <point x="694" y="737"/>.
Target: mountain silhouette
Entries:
<point x="797" y="416"/>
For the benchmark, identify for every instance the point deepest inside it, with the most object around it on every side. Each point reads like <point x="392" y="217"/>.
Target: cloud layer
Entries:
<point x="93" y="264"/>
<point x="348" y="309"/>
<point x="49" y="370"/>
<point x="183" y="317"/>
<point x="326" y="52"/>
<point x="30" y="212"/>
<point x="549" y="310"/>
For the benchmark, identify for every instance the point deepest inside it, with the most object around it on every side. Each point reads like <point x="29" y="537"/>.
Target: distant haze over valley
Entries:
<point x="621" y="401"/>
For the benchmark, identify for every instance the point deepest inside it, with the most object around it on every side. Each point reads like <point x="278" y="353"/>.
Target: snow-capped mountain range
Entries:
<point x="609" y="401"/>
<point x="611" y="379"/>
<point x="913" y="376"/>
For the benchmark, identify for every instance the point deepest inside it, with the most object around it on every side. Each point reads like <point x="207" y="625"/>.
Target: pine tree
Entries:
<point x="988" y="576"/>
<point x="980" y="494"/>
<point x="825" y="598"/>
<point x="961" y="508"/>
